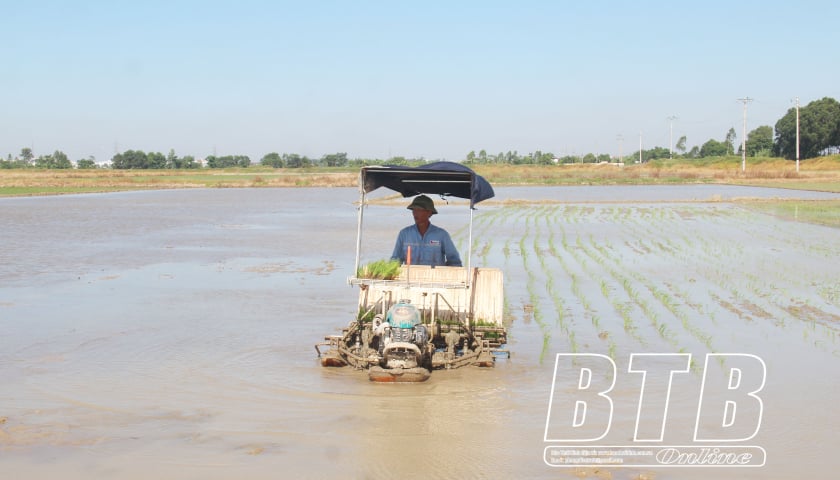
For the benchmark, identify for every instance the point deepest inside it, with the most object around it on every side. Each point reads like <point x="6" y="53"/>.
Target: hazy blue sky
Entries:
<point x="379" y="79"/>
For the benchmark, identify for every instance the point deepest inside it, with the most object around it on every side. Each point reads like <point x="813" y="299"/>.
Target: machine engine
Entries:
<point x="403" y="340"/>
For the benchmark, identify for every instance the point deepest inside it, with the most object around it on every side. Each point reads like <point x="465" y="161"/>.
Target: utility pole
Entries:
<point x="671" y="137"/>
<point x="640" y="148"/>
<point x="620" y="140"/>
<point x="797" y="134"/>
<point x="745" y="100"/>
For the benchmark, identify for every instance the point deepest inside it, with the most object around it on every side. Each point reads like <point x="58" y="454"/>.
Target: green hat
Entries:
<point x="423" y="202"/>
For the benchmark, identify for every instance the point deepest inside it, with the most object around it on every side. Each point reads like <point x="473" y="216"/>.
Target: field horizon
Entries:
<point x="819" y="174"/>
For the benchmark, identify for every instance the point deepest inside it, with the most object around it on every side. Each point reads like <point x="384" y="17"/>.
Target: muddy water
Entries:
<point x="171" y="333"/>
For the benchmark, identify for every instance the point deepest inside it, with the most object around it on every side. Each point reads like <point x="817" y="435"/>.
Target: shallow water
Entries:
<point x="171" y="333"/>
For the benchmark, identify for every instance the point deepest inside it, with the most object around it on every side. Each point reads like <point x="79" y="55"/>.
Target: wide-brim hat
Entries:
<point x="424" y="202"/>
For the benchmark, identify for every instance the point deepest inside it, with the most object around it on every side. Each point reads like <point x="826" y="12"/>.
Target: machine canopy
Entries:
<point x="442" y="178"/>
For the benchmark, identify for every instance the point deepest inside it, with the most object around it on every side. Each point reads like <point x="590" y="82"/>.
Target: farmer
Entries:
<point x="430" y="245"/>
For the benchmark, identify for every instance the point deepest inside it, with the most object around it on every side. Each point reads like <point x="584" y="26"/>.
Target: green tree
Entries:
<point x="172" y="160"/>
<point x="654" y="153"/>
<point x="730" y="142"/>
<point x="188" y="161"/>
<point x="334" y="160"/>
<point x="26" y="155"/>
<point x="541" y="158"/>
<point x="86" y="163"/>
<point x="155" y="160"/>
<point x="760" y="141"/>
<point x="681" y="145"/>
<point x="714" y="148"/>
<point x="819" y="129"/>
<point x="129" y="160"/>
<point x="694" y="152"/>
<point x="272" y="159"/>
<point x="292" y="160"/>
<point x="57" y="160"/>
<point x="228" y="161"/>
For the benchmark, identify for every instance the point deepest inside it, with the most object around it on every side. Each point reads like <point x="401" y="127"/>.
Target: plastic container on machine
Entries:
<point x="403" y="315"/>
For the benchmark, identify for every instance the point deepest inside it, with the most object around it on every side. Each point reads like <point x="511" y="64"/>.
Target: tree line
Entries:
<point x="139" y="160"/>
<point x="819" y="134"/>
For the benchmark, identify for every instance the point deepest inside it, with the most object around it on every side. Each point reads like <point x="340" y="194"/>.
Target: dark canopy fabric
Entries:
<point x="442" y="178"/>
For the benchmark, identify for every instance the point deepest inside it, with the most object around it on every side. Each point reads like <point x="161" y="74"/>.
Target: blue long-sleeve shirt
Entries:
<point x="433" y="248"/>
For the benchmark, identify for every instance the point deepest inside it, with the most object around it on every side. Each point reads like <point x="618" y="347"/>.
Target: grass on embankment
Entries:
<point x="48" y="182"/>
<point x="815" y="174"/>
<point x="823" y="212"/>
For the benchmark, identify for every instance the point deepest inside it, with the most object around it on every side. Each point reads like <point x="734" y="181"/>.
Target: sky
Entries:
<point x="378" y="79"/>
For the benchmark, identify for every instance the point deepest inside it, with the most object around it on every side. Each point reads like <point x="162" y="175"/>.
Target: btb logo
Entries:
<point x="728" y="409"/>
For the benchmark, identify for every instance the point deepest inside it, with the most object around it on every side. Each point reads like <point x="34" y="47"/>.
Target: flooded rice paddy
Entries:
<point x="170" y="333"/>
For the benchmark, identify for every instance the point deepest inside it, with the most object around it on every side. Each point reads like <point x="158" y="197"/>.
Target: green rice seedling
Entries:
<point x="546" y="345"/>
<point x="535" y="301"/>
<point x="628" y="287"/>
<point x="540" y="255"/>
<point x="485" y="250"/>
<point x="624" y="312"/>
<point x="573" y="345"/>
<point x="365" y="316"/>
<point x="380" y="270"/>
<point x="551" y="247"/>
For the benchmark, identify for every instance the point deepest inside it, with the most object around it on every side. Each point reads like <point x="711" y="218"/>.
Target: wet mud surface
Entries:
<point x="171" y="333"/>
